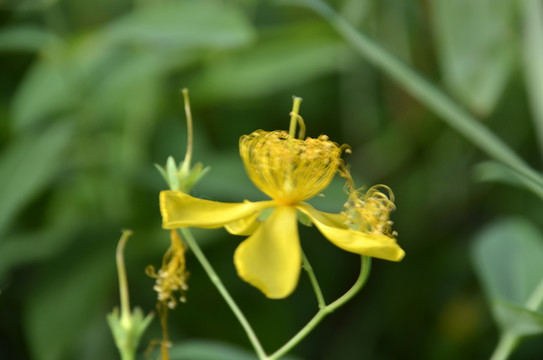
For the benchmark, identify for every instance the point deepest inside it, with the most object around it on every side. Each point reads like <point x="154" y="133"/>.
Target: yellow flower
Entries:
<point x="289" y="171"/>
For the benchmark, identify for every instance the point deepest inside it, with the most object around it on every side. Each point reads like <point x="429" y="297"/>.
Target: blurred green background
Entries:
<point x="90" y="100"/>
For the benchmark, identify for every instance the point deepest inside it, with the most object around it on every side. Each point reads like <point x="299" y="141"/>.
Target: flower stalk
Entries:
<point x="314" y="282"/>
<point x="216" y="280"/>
<point x="365" y="268"/>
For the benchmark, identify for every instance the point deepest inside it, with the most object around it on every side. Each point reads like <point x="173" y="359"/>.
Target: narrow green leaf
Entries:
<point x="44" y="92"/>
<point x="30" y="5"/>
<point x="130" y="88"/>
<point x="477" y="57"/>
<point x="185" y="24"/>
<point x="419" y="87"/>
<point x="61" y="305"/>
<point x="497" y="172"/>
<point x="32" y="246"/>
<point x="533" y="66"/>
<point x="24" y="38"/>
<point x="29" y="166"/>
<point x="279" y="61"/>
<point x="100" y="68"/>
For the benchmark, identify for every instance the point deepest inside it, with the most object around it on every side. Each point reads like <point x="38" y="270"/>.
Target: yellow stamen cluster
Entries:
<point x="370" y="211"/>
<point x="289" y="170"/>
<point x="172" y="276"/>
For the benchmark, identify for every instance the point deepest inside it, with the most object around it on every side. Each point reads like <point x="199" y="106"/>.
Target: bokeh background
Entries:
<point x="90" y="101"/>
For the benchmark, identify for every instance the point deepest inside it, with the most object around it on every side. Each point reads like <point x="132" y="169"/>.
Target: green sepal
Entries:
<point x="127" y="330"/>
<point x="181" y="177"/>
<point x="264" y="214"/>
<point x="304" y="219"/>
<point x="172" y="173"/>
<point x="194" y="175"/>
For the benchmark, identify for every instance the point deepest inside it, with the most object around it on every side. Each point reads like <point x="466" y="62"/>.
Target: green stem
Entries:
<point x="365" y="267"/>
<point x="505" y="347"/>
<point x="187" y="235"/>
<point x="427" y="93"/>
<point x="316" y="287"/>
<point x="294" y="114"/>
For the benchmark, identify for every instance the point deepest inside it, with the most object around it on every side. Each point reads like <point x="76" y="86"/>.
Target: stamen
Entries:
<point x="286" y="169"/>
<point x="368" y="212"/>
<point x="172" y="276"/>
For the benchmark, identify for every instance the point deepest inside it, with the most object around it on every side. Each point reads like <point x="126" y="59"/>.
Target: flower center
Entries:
<point x="289" y="170"/>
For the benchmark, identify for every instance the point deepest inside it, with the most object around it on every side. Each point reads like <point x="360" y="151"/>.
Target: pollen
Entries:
<point x="289" y="170"/>
<point x="172" y="276"/>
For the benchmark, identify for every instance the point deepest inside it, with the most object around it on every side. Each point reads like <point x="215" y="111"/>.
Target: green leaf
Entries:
<point x="30" y="5"/>
<point x="507" y="256"/>
<point x="29" y="166"/>
<point x="24" y="38"/>
<point x="43" y="93"/>
<point x="494" y="171"/>
<point x="130" y="88"/>
<point x="196" y="24"/>
<point x="476" y="57"/>
<point x="516" y="319"/>
<point x="32" y="246"/>
<point x="208" y="350"/>
<point x="212" y="350"/>
<point x="533" y="66"/>
<point x="279" y="61"/>
<point x="102" y="70"/>
<point x="423" y="90"/>
<point x="61" y="305"/>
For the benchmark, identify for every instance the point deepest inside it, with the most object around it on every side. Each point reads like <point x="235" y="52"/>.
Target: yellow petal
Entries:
<point x="181" y="210"/>
<point x="244" y="226"/>
<point x="271" y="258"/>
<point x="359" y="242"/>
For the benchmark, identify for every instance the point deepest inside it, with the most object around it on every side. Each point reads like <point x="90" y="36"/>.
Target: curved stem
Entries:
<point x="187" y="235"/>
<point x="316" y="287"/>
<point x="365" y="267"/>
